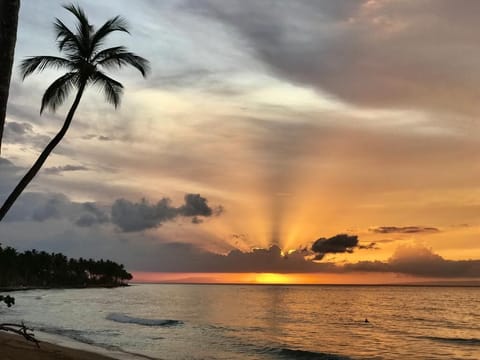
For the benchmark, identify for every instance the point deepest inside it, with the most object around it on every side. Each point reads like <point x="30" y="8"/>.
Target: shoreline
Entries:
<point x="14" y="347"/>
<point x="26" y="288"/>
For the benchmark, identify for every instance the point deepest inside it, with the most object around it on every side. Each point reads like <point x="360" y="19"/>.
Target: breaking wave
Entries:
<point x="125" y="319"/>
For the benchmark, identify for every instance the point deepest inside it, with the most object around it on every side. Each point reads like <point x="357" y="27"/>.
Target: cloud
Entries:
<point x="351" y="48"/>
<point x="371" y="246"/>
<point x="195" y="205"/>
<point x="24" y="133"/>
<point x="183" y="257"/>
<point x="93" y="215"/>
<point x="403" y="229"/>
<point x="129" y="216"/>
<point x="420" y="261"/>
<point x="97" y="137"/>
<point x="13" y="127"/>
<point x="42" y="207"/>
<point x="57" y="170"/>
<point x="9" y="176"/>
<point x="341" y="243"/>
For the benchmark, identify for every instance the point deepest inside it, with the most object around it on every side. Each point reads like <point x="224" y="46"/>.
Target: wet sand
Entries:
<point x="14" y="347"/>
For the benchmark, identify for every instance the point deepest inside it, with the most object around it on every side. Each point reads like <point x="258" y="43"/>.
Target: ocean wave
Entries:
<point x="286" y="353"/>
<point x="466" y="341"/>
<point x="126" y="319"/>
<point x="85" y="337"/>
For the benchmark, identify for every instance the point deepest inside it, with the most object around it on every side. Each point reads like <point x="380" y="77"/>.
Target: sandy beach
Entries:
<point x="13" y="347"/>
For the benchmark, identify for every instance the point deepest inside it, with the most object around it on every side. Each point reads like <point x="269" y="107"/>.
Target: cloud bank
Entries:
<point x="420" y="261"/>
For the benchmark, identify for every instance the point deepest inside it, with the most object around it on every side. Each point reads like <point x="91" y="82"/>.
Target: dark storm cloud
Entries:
<point x="341" y="243"/>
<point x="403" y="229"/>
<point x="351" y="48"/>
<point x="57" y="170"/>
<point x="129" y="216"/>
<point x="419" y="261"/>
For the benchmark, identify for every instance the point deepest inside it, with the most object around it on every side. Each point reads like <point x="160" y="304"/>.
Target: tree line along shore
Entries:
<point x="39" y="269"/>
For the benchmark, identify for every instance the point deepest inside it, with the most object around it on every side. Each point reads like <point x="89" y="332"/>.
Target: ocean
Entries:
<point x="167" y="321"/>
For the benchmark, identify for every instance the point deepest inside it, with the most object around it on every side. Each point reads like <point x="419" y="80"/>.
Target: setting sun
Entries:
<point x="271" y="278"/>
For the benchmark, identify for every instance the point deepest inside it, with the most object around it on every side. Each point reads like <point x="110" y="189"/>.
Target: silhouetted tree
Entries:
<point x="40" y="269"/>
<point x="8" y="37"/>
<point x="84" y="59"/>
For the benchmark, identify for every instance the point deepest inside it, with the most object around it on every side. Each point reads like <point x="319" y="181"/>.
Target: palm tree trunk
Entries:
<point x="43" y="156"/>
<point x="8" y="37"/>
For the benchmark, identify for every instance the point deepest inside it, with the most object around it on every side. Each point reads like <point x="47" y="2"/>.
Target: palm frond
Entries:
<point x="116" y="23"/>
<point x="58" y="91"/>
<point x="105" y="53"/>
<point x="39" y="63"/>
<point x="120" y="58"/>
<point x="112" y="89"/>
<point x="84" y="28"/>
<point x="66" y="39"/>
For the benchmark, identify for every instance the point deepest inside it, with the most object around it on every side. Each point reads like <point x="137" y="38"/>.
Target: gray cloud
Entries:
<point x="182" y="257"/>
<point x="420" y="261"/>
<point x="9" y="175"/>
<point x="18" y="128"/>
<point x="195" y="205"/>
<point x="341" y="243"/>
<point x="57" y="170"/>
<point x="93" y="215"/>
<point x="42" y="207"/>
<point x="24" y="133"/>
<point x="351" y="48"/>
<point x="129" y="216"/>
<point x="403" y="229"/>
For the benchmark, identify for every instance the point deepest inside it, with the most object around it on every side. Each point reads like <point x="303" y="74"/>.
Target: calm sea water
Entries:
<point x="260" y="322"/>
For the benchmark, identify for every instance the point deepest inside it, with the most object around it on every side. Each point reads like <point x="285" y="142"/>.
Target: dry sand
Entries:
<point x="14" y="347"/>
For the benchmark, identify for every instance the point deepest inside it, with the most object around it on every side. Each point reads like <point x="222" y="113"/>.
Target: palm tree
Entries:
<point x="84" y="61"/>
<point x="8" y="37"/>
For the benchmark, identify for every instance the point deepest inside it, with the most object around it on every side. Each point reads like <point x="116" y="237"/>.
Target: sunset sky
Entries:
<point x="271" y="127"/>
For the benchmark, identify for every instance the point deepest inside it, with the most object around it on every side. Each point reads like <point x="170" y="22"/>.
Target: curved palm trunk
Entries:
<point x="8" y="36"/>
<point x="43" y="156"/>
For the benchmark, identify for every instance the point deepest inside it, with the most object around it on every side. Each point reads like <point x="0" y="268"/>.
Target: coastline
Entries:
<point x="26" y="288"/>
<point x="14" y="347"/>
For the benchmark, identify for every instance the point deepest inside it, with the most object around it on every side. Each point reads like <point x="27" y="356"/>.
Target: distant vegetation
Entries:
<point x="40" y="269"/>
